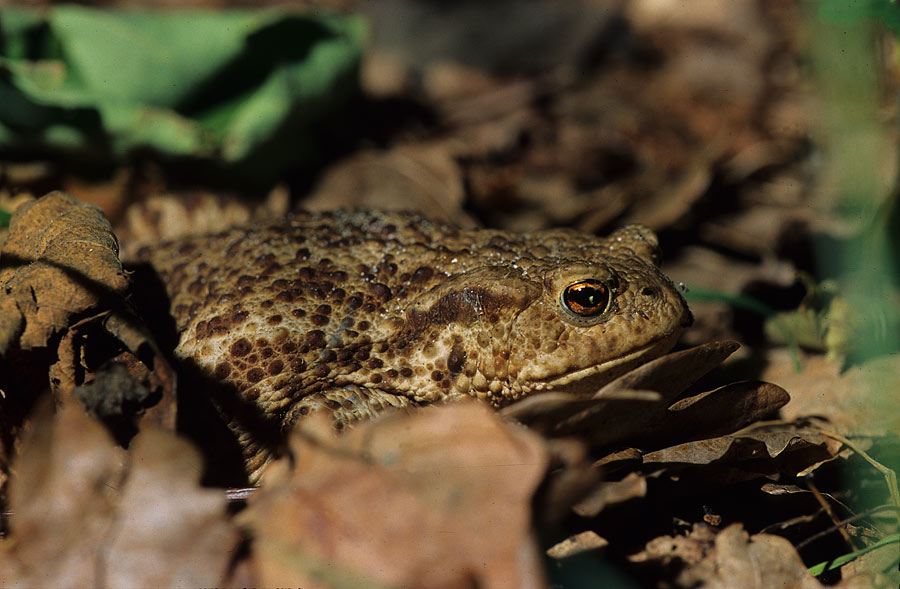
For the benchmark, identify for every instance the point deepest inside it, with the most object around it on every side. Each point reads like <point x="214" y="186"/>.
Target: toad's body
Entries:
<point x="355" y="312"/>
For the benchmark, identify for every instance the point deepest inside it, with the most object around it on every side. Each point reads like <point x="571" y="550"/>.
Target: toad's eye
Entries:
<point x="587" y="298"/>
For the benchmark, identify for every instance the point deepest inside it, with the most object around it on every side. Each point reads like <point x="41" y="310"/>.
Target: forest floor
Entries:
<point x="710" y="126"/>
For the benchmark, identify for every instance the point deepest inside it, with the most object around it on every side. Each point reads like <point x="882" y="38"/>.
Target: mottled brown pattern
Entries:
<point x="355" y="312"/>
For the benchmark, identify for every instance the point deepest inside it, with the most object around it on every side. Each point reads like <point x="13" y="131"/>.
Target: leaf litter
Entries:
<point x="66" y="324"/>
<point x="89" y="514"/>
<point x="455" y="492"/>
<point x="425" y="500"/>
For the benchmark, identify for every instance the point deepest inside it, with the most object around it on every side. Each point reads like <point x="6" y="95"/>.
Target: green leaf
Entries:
<point x="149" y="58"/>
<point x="232" y="87"/>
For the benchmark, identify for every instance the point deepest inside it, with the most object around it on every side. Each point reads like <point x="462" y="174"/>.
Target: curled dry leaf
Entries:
<point x="640" y="407"/>
<point x="648" y="423"/>
<point x="65" y="294"/>
<point x="633" y="486"/>
<point x="725" y="409"/>
<point x="86" y="514"/>
<point x="700" y="466"/>
<point x="577" y="544"/>
<point x="60" y="259"/>
<point x="668" y="376"/>
<point x="762" y="452"/>
<point x="439" y="499"/>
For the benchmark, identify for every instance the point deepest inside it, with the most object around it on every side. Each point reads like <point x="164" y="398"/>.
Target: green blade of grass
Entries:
<point x="840" y="561"/>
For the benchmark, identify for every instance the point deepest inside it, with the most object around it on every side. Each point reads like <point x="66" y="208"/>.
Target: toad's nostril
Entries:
<point x="649" y="291"/>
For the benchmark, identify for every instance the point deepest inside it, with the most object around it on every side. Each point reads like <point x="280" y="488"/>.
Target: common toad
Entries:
<point x="358" y="311"/>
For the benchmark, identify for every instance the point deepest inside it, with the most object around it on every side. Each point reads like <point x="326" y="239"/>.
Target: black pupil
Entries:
<point x="587" y="298"/>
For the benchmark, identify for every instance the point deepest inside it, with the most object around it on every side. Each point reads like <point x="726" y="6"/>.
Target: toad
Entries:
<point x="355" y="312"/>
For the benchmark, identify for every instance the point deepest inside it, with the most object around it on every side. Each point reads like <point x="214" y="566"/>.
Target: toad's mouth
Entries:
<point x="587" y="381"/>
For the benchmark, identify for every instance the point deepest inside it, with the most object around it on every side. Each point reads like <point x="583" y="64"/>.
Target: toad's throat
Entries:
<point x="587" y="381"/>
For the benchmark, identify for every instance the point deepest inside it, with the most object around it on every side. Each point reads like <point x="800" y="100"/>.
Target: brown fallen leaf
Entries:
<point x="667" y="377"/>
<point x="654" y="425"/>
<point x="640" y="408"/>
<point x="414" y="177"/>
<point x="688" y="549"/>
<point x="866" y="571"/>
<point x="65" y="314"/>
<point x="861" y="400"/>
<point x="762" y="452"/>
<point x="726" y="409"/>
<point x="671" y="374"/>
<point x="577" y="544"/>
<point x="440" y="498"/>
<point x="728" y="559"/>
<point x="88" y="514"/>
<point x="760" y="561"/>
<point x="62" y="496"/>
<point x="171" y="532"/>
<point x="60" y="258"/>
<point x="633" y="486"/>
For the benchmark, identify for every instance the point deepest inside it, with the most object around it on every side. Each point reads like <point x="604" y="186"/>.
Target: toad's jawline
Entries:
<point x="570" y="382"/>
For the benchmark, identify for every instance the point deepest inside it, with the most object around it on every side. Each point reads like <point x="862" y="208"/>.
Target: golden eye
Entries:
<point x="587" y="298"/>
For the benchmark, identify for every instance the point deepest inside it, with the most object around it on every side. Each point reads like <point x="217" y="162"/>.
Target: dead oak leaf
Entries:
<point x="88" y="514"/>
<point x="437" y="499"/>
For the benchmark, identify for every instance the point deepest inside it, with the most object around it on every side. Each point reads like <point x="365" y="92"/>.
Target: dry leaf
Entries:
<point x="62" y="496"/>
<point x="764" y="452"/>
<point x="861" y="400"/>
<point x="689" y="549"/>
<point x="671" y="374"/>
<point x="866" y="571"/>
<point x="437" y="499"/>
<point x="725" y="409"/>
<point x="86" y="514"/>
<point x="760" y="561"/>
<point x="65" y="315"/>
<point x="60" y="259"/>
<point x="171" y="532"/>
<point x="729" y="559"/>
<point x="576" y="545"/>
<point x="633" y="486"/>
<point x="623" y="402"/>
<point x="639" y="407"/>
<point x="423" y="178"/>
